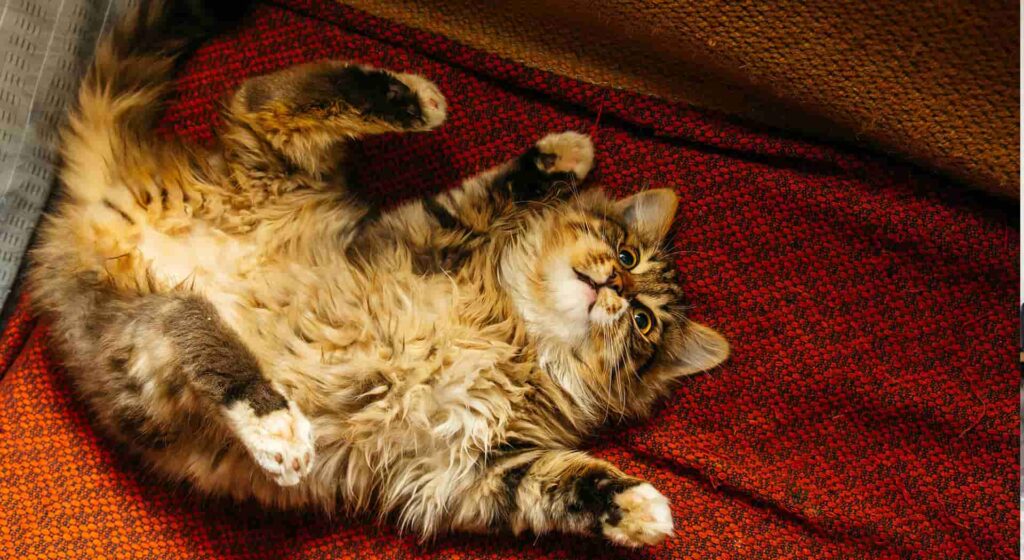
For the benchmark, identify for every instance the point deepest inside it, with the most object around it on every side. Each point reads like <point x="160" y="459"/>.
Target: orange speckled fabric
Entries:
<point x="869" y="409"/>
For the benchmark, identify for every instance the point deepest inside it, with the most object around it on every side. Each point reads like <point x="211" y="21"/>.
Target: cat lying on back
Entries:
<point x="238" y="318"/>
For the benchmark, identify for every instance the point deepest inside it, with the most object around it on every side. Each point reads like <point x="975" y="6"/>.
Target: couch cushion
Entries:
<point x="45" y="45"/>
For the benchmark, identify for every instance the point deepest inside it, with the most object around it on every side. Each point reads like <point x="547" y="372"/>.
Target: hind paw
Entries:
<point x="644" y="517"/>
<point x="280" y="442"/>
<point x="432" y="105"/>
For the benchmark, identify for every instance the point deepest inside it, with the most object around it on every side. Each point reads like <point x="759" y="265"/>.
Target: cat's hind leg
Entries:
<point x="567" y="491"/>
<point x="536" y="491"/>
<point x="219" y="368"/>
<point x="165" y="375"/>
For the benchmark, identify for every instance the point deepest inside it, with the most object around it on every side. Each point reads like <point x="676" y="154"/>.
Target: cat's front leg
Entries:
<point x="554" y="166"/>
<point x="544" y="490"/>
<point x="442" y="230"/>
<point x="557" y="162"/>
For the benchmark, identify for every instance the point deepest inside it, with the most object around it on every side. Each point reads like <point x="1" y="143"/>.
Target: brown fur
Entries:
<point x="243" y="322"/>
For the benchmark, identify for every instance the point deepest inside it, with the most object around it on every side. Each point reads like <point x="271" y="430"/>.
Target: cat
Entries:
<point x="236" y="316"/>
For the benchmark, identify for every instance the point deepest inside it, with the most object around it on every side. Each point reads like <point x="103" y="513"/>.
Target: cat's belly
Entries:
<point x="203" y="260"/>
<point x="381" y="362"/>
<point x="389" y="363"/>
<point x="204" y="254"/>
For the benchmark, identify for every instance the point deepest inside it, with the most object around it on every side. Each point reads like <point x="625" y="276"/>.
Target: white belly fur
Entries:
<point x="204" y="260"/>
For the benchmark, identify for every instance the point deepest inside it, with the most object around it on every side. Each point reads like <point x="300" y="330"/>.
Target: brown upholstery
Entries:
<point x="934" y="81"/>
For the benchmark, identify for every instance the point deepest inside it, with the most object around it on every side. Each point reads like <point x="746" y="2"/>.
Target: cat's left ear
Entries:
<point x="702" y="349"/>
<point x="650" y="213"/>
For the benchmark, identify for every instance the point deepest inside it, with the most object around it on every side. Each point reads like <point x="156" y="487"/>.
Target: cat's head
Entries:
<point x="597" y="286"/>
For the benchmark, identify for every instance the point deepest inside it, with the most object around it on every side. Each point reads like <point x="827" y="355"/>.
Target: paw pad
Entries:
<point x="280" y="442"/>
<point x="566" y="152"/>
<point x="645" y="517"/>
<point x="433" y="107"/>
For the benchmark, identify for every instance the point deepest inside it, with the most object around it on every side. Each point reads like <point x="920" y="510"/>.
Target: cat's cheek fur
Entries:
<point x="570" y="301"/>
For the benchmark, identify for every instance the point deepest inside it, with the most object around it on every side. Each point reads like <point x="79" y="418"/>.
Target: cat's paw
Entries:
<point x="280" y="442"/>
<point x="566" y="152"/>
<point x="643" y="517"/>
<point x="402" y="101"/>
<point x="432" y="107"/>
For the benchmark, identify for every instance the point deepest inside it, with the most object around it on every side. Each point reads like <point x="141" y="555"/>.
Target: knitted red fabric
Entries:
<point x="869" y="408"/>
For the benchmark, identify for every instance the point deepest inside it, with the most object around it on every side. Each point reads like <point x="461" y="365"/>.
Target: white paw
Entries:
<point x="646" y="517"/>
<point x="432" y="103"/>
<point x="571" y="151"/>
<point x="281" y="442"/>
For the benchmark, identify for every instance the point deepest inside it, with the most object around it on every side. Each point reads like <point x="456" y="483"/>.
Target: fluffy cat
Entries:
<point x="238" y="318"/>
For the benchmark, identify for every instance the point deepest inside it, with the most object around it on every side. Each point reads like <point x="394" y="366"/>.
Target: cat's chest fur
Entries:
<point x="381" y="358"/>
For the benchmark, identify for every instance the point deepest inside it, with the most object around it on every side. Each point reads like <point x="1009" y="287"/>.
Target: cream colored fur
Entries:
<point x="418" y="394"/>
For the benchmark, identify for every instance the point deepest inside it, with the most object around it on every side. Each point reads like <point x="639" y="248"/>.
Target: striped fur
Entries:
<point x="237" y="318"/>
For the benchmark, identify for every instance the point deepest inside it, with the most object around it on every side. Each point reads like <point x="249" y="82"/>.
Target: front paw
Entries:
<point x="553" y="167"/>
<point x="406" y="101"/>
<point x="400" y="101"/>
<point x="640" y="516"/>
<point x="565" y="152"/>
<point x="432" y="107"/>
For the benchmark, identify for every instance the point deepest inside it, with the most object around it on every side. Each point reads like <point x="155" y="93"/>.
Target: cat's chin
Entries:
<point x="607" y="308"/>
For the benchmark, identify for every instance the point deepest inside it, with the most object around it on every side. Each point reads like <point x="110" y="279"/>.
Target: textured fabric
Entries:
<point x="44" y="44"/>
<point x="933" y="80"/>
<point x="868" y="411"/>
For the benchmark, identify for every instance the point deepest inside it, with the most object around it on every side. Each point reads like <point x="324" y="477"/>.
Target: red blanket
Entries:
<point x="869" y="409"/>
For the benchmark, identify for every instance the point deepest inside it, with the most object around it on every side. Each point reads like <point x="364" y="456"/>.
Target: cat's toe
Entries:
<point x="643" y="517"/>
<point x="280" y="442"/>
<point x="566" y="152"/>
<point x="432" y="106"/>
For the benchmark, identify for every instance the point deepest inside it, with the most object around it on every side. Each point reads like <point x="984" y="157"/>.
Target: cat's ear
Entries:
<point x="702" y="349"/>
<point x="650" y="213"/>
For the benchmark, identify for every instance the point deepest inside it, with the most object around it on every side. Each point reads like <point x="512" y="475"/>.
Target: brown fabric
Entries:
<point x="935" y="81"/>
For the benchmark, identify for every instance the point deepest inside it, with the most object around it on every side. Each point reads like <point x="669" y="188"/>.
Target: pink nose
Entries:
<point x="590" y="294"/>
<point x="618" y="281"/>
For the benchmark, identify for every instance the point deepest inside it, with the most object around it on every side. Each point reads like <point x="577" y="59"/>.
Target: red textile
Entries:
<point x="869" y="409"/>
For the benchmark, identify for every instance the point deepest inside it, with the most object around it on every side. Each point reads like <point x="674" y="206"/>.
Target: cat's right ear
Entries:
<point x="649" y="213"/>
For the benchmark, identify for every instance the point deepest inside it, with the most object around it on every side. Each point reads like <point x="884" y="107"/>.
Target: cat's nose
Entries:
<point x="619" y="281"/>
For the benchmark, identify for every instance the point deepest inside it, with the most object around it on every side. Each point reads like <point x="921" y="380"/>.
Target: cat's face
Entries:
<point x="593" y="280"/>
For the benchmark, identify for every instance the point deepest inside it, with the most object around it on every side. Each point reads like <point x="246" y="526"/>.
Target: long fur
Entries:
<point x="242" y="321"/>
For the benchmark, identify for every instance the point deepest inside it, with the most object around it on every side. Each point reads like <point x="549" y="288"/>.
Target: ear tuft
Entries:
<point x="703" y="349"/>
<point x="650" y="213"/>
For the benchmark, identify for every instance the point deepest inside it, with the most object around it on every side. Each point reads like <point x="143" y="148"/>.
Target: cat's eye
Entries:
<point x="643" y="320"/>
<point x="628" y="257"/>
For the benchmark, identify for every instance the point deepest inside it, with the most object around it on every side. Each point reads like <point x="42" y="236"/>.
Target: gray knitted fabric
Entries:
<point x="44" y="46"/>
